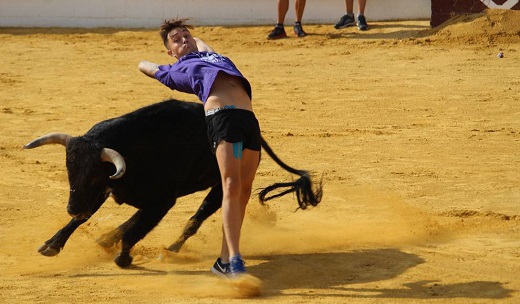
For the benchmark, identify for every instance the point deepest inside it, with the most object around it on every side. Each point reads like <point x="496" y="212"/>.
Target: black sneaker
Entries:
<point x="277" y="33"/>
<point x="298" y="30"/>
<point x="346" y="20"/>
<point x="362" y="23"/>
<point x="220" y="269"/>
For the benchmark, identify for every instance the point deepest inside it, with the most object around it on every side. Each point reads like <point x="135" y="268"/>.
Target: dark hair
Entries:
<point x="169" y="25"/>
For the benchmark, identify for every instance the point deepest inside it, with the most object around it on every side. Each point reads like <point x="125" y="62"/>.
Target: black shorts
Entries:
<point x="234" y="125"/>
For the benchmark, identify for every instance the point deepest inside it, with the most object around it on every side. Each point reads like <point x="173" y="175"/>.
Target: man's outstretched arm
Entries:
<point x="148" y="68"/>
<point x="203" y="46"/>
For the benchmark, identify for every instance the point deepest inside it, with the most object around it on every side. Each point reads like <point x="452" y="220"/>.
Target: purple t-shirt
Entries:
<point x="195" y="73"/>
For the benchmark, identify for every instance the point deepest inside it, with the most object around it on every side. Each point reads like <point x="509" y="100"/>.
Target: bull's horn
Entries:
<point x="51" y="138"/>
<point x="112" y="156"/>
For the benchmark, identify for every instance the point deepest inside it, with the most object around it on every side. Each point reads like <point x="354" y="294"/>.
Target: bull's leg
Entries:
<point x="111" y="238"/>
<point x="211" y="203"/>
<point x="53" y="245"/>
<point x="145" y="221"/>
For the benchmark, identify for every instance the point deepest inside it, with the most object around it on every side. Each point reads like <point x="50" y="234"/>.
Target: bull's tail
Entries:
<point x="303" y="186"/>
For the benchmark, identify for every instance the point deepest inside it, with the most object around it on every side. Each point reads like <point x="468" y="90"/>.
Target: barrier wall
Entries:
<point x="150" y="13"/>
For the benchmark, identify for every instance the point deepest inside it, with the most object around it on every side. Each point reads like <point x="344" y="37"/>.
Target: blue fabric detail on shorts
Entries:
<point x="237" y="149"/>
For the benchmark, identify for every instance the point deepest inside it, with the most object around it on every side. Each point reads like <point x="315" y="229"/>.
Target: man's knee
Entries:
<point x="232" y="188"/>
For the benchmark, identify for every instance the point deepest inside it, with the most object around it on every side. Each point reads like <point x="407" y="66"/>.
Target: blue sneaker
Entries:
<point x="221" y="269"/>
<point x="236" y="266"/>
<point x="345" y="21"/>
<point x="298" y="30"/>
<point x="362" y="23"/>
<point x="277" y="33"/>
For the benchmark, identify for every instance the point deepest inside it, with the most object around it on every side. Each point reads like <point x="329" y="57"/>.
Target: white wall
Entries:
<point x="150" y="13"/>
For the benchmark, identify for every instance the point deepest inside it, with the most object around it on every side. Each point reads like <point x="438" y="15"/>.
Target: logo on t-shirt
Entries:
<point x="212" y="57"/>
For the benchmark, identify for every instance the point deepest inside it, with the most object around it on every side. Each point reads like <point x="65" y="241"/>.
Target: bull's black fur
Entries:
<point x="167" y="156"/>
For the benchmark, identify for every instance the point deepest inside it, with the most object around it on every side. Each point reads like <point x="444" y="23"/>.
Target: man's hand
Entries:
<point x="148" y="68"/>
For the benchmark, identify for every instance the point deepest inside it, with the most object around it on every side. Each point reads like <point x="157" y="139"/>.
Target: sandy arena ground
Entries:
<point x="416" y="132"/>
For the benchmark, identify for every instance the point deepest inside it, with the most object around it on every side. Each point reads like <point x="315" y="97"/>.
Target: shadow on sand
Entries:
<point x="331" y="275"/>
<point x="338" y="270"/>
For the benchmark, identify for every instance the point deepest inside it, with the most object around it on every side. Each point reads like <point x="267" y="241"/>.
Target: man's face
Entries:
<point x="180" y="42"/>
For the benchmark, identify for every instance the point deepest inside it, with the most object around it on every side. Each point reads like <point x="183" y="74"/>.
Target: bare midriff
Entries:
<point x="228" y="90"/>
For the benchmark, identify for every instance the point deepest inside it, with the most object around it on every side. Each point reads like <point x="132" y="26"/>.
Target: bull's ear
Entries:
<point x="51" y="138"/>
<point x="112" y="156"/>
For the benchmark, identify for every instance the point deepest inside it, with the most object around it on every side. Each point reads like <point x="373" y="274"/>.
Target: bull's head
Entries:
<point x="88" y="169"/>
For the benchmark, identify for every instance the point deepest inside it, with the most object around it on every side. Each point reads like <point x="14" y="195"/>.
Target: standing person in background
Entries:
<point x="348" y="18"/>
<point x="233" y="130"/>
<point x="283" y="6"/>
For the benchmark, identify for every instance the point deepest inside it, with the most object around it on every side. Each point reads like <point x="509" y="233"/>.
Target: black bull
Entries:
<point x="160" y="153"/>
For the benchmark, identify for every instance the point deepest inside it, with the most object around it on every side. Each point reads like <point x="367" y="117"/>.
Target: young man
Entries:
<point x="233" y="130"/>
<point x="348" y="18"/>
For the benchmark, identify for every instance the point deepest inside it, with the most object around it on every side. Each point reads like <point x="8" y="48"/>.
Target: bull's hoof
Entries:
<point x="175" y="247"/>
<point x="106" y="241"/>
<point x="123" y="261"/>
<point x="46" y="250"/>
